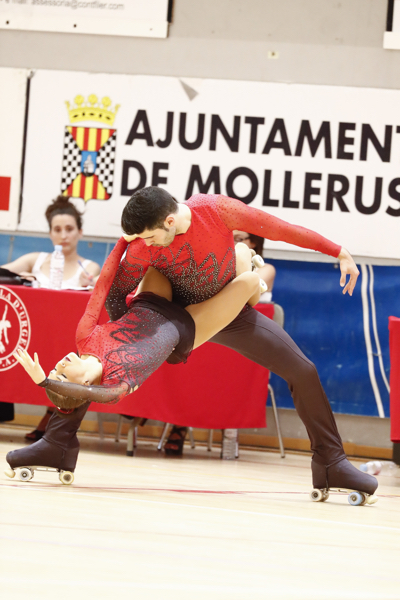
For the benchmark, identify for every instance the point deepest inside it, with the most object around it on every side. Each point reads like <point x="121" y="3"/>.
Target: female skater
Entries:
<point x="115" y="358"/>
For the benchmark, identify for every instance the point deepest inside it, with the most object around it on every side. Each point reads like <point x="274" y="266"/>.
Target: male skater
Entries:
<point x="192" y="244"/>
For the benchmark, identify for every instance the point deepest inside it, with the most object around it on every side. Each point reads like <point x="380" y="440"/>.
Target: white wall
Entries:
<point x="319" y="41"/>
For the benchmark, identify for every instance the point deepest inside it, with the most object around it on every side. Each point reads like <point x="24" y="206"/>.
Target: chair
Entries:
<point x="135" y="422"/>
<point x="164" y="435"/>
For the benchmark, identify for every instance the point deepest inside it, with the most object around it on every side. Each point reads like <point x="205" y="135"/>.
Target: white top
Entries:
<point x="72" y="282"/>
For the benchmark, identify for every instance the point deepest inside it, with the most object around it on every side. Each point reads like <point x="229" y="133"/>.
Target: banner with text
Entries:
<point x="323" y="157"/>
<point x="12" y="108"/>
<point x="144" y="18"/>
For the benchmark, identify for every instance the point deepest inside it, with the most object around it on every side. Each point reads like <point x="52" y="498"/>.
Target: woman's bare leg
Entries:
<point x="268" y="273"/>
<point x="155" y="282"/>
<point x="216" y="313"/>
<point x="244" y="265"/>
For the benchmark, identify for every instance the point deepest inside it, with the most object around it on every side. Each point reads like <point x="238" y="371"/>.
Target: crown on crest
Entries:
<point x="92" y="110"/>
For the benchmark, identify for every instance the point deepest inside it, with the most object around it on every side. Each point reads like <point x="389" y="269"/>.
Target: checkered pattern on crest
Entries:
<point x="71" y="163"/>
<point x="105" y="163"/>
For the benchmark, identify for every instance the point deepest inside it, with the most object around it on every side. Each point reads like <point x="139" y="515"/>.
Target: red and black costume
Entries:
<point x="151" y="331"/>
<point x="199" y="263"/>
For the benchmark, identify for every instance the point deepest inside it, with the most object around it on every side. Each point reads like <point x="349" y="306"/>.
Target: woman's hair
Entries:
<point x="62" y="206"/>
<point x="63" y="402"/>
<point x="147" y="209"/>
<point x="258" y="243"/>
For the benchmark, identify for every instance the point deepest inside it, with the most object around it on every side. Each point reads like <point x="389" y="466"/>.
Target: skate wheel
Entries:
<point x="66" y="477"/>
<point x="10" y="473"/>
<point x="263" y="286"/>
<point x="357" y="498"/>
<point x="258" y="261"/>
<point x="25" y="474"/>
<point x="317" y="495"/>
<point x="325" y="495"/>
<point x="371" y="499"/>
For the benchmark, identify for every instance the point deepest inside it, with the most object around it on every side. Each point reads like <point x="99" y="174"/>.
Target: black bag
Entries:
<point x="10" y="278"/>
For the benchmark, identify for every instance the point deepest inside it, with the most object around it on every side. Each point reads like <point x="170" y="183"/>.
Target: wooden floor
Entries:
<point x="197" y="527"/>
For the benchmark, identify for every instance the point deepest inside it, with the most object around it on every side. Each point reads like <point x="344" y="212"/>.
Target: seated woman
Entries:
<point x="65" y="225"/>
<point x="116" y="358"/>
<point x="65" y="229"/>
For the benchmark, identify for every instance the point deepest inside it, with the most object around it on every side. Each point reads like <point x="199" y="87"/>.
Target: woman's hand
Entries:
<point x="86" y="280"/>
<point x="27" y="275"/>
<point x="32" y="367"/>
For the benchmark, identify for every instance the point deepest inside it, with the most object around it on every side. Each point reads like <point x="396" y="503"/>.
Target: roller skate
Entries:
<point x="343" y="477"/>
<point x="257" y="261"/>
<point x="42" y="456"/>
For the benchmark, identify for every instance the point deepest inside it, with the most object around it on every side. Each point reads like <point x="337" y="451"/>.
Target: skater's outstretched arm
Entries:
<point x="96" y="302"/>
<point x="237" y="215"/>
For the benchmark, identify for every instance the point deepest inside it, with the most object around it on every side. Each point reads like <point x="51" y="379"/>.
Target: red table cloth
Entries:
<point x="216" y="389"/>
<point x="394" y="345"/>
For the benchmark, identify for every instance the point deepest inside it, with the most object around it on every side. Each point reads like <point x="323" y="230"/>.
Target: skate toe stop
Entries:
<point x="10" y="473"/>
<point x="372" y="499"/>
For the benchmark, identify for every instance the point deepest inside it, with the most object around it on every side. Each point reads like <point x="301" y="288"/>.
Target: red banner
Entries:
<point x="216" y="389"/>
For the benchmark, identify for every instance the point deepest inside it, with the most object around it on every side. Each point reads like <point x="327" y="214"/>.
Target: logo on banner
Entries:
<point x="89" y="152"/>
<point x="15" y="327"/>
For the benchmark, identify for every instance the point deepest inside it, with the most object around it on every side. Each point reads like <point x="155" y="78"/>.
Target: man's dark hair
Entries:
<point x="147" y="209"/>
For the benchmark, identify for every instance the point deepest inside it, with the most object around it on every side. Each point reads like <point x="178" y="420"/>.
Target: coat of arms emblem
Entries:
<point x="89" y="152"/>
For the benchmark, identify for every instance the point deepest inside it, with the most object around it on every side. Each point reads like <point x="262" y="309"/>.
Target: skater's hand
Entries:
<point x="32" y="367"/>
<point x="348" y="267"/>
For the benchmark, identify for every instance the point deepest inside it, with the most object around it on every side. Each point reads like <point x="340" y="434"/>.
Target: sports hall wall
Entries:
<point x="338" y="45"/>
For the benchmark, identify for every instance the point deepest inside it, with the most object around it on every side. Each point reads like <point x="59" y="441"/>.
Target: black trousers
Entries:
<point x="264" y="342"/>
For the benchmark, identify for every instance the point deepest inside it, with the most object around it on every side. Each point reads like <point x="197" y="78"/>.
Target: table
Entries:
<point x="394" y="345"/>
<point x="44" y="321"/>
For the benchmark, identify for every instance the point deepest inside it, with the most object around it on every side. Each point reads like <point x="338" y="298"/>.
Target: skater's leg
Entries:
<point x="261" y="340"/>
<point x="212" y="315"/>
<point x="244" y="265"/>
<point x="155" y="282"/>
<point x="59" y="446"/>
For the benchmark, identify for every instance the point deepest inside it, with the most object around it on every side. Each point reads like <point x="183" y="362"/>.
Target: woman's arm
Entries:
<point x="90" y="275"/>
<point x="92" y="393"/>
<point x="94" y="307"/>
<point x="22" y="264"/>
<point x="130" y="273"/>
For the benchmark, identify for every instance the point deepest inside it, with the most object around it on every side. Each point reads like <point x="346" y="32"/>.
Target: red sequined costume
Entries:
<point x="129" y="349"/>
<point x="195" y="272"/>
<point x="199" y="263"/>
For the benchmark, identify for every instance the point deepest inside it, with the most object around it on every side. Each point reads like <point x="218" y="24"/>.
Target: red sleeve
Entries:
<point x="94" y="307"/>
<point x="237" y="215"/>
<point x="130" y="273"/>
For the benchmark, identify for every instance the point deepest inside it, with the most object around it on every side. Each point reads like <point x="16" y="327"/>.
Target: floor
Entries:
<point x="152" y="527"/>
